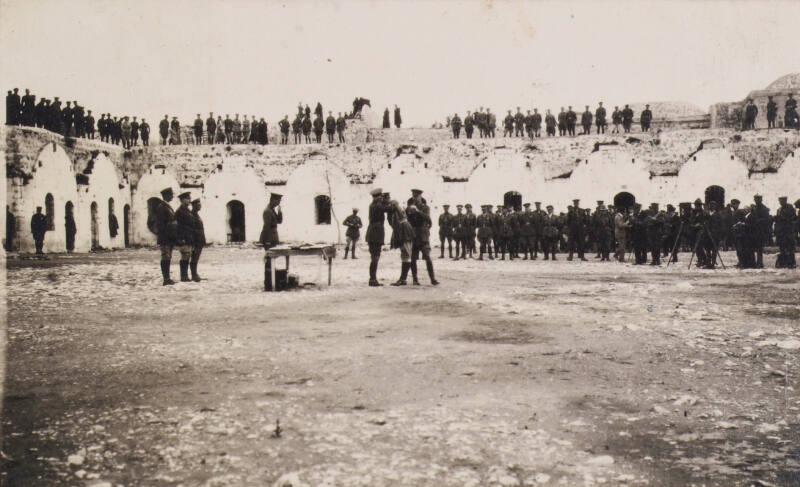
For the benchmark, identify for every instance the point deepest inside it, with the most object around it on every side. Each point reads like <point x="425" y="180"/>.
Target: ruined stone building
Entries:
<point x="676" y="162"/>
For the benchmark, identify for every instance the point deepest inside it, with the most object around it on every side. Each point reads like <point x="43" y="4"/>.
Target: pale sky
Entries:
<point x="153" y="57"/>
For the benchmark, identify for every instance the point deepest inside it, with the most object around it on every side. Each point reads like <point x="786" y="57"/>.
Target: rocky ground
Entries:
<point x="507" y="374"/>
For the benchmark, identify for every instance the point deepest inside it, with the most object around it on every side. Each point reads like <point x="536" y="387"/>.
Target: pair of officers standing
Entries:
<point x="181" y="228"/>
<point x="411" y="234"/>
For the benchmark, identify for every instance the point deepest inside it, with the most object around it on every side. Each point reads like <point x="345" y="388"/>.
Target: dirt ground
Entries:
<point x="507" y="374"/>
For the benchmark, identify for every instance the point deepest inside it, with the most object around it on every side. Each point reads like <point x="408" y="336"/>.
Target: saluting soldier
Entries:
<point x="786" y="234"/>
<point x="627" y="119"/>
<point x="647" y="116"/>
<point x="586" y="121"/>
<point x="485" y="222"/>
<point x="446" y="231"/>
<point x="353" y="224"/>
<point x="571" y="119"/>
<point x="330" y="127"/>
<point x="600" y="118"/>
<point x="185" y="233"/>
<point x="562" y="122"/>
<point x="198" y="239"/>
<point x="166" y="231"/>
<point x="272" y="217"/>
<point x="375" y="233"/>
<point x="469" y="124"/>
<point x="341" y="125"/>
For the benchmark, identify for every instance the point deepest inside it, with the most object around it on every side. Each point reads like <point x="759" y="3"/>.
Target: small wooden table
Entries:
<point x="328" y="252"/>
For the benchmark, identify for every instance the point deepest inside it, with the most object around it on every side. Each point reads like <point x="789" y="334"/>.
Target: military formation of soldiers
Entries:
<point x="303" y="126"/>
<point x="791" y="118"/>
<point x="530" y="124"/>
<point x="182" y="229"/>
<point x="651" y="233"/>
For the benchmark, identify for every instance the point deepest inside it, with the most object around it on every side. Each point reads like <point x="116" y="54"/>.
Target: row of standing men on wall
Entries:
<point x="530" y="124"/>
<point x="791" y="119"/>
<point x="701" y="229"/>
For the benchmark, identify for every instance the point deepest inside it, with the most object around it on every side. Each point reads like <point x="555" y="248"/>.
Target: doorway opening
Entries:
<point x="236" y="229"/>
<point x="513" y="199"/>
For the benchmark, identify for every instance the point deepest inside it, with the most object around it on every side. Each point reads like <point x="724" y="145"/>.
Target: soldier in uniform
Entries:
<point x="341" y="125"/>
<point x="571" y="119"/>
<point x="537" y="217"/>
<point x="469" y="124"/>
<point x="586" y="121"/>
<point x="163" y="130"/>
<point x="398" y="120"/>
<point x="645" y="118"/>
<point x="198" y="239"/>
<point x="262" y="135"/>
<point x="627" y="119"/>
<point x="89" y="125"/>
<point x="600" y="118"/>
<point x="491" y="123"/>
<point x="772" y="112"/>
<point x="198" y="130"/>
<point x="297" y="129"/>
<point x="144" y="131"/>
<point x="77" y="119"/>
<point x="175" y="130"/>
<point x="420" y="222"/>
<point x="319" y="126"/>
<point x="672" y="225"/>
<point x="28" y="109"/>
<point x="562" y="122"/>
<point x="375" y="233"/>
<point x="40" y="112"/>
<point x="66" y="118"/>
<point x="269" y="234"/>
<point x="519" y="123"/>
<point x="527" y="232"/>
<point x="577" y="230"/>
<point x="471" y="223"/>
<point x="284" y="127"/>
<point x="550" y="123"/>
<point x="455" y="125"/>
<point x="536" y="122"/>
<point x="386" y="123"/>
<point x="790" y="118"/>
<point x="621" y="229"/>
<point x="184" y="233"/>
<point x="750" y="114"/>
<point x="460" y="232"/>
<point x="638" y="234"/>
<point x="717" y="224"/>
<point x="353" y="224"/>
<point x="211" y="128"/>
<point x="307" y="129"/>
<point x="135" y="132"/>
<point x="762" y="222"/>
<point x="603" y="231"/>
<point x="616" y="119"/>
<point x="228" y="125"/>
<point x="404" y="235"/>
<point x="166" y="231"/>
<point x="550" y="234"/>
<point x="39" y="227"/>
<point x="485" y="222"/>
<point x="330" y="127"/>
<point x="446" y="231"/>
<point x="13" y="104"/>
<point x="507" y="233"/>
<point x="700" y="236"/>
<point x="126" y="133"/>
<point x="655" y="233"/>
<point x="71" y="229"/>
<point x="786" y="234"/>
<point x="248" y="130"/>
<point x="508" y="125"/>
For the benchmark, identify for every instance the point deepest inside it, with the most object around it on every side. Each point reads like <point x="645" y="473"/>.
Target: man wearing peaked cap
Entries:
<point x="762" y="222"/>
<point x="459" y="231"/>
<point x="353" y="224"/>
<point x="471" y="224"/>
<point x="185" y="233"/>
<point x="576" y="224"/>
<point x="375" y="232"/>
<point x="786" y="234"/>
<point x="269" y="238"/>
<point x="446" y="231"/>
<point x="165" y="228"/>
<point x="199" y="239"/>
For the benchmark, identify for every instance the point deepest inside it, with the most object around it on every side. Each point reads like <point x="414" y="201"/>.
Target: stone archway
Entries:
<point x="716" y="194"/>
<point x="236" y="221"/>
<point x="624" y="200"/>
<point x="513" y="199"/>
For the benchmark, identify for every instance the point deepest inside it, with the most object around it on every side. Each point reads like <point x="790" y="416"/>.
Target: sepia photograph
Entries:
<point x="400" y="243"/>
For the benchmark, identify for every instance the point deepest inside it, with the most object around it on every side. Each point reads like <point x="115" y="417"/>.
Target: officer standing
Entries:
<point x="627" y="119"/>
<point x="527" y="232"/>
<point x="571" y="119"/>
<point x="497" y="230"/>
<point x="341" y="125"/>
<point x="459" y="232"/>
<point x="199" y="239"/>
<point x="135" y="132"/>
<point x="375" y="233"/>
<point x="586" y="121"/>
<point x="603" y="231"/>
<point x="89" y="125"/>
<point x="386" y="123"/>
<point x="184" y="234"/>
<point x="616" y="119"/>
<point x="750" y="114"/>
<point x="772" y="112"/>
<point x="762" y="222"/>
<point x="175" y="128"/>
<point x="144" y="131"/>
<point x="639" y="235"/>
<point x="485" y="222"/>
<point x="353" y="224"/>
<point x="228" y="124"/>
<point x="398" y="120"/>
<point x="211" y="128"/>
<point x="297" y="128"/>
<point x="272" y="217"/>
<point x="306" y="126"/>
<point x="536" y="123"/>
<point x="163" y="130"/>
<point x="471" y="223"/>
<point x="455" y="124"/>
<point x="508" y="125"/>
<point x="491" y="123"/>
<point x="284" y="128"/>
<point x="13" y="103"/>
<point x="647" y="116"/>
<point x="550" y="234"/>
<point x="519" y="123"/>
<point x="550" y="123"/>
<point x="786" y="234"/>
<point x="28" y="109"/>
<point x="577" y="230"/>
<point x="39" y="227"/>
<point x="330" y="127"/>
<point x="600" y="118"/>
<point x="469" y="124"/>
<point x="319" y="127"/>
<point x="166" y="232"/>
<point x="621" y="229"/>
<point x="421" y="224"/>
<point x="655" y="233"/>
<point x="198" y="130"/>
<point x="790" y="118"/>
<point x="446" y="231"/>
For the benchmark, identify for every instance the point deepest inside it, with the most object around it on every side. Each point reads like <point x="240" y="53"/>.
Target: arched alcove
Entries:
<point x="233" y="180"/>
<point x="236" y="222"/>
